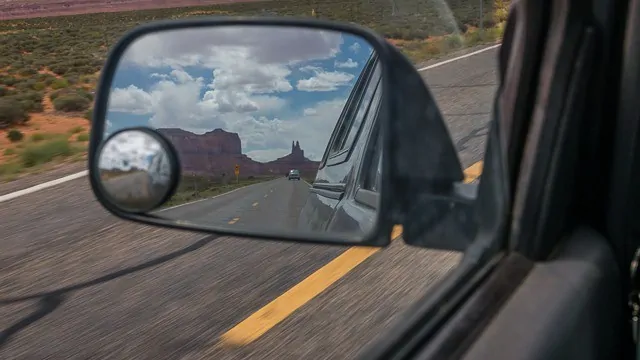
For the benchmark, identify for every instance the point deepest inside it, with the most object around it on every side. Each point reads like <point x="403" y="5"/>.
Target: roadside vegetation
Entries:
<point x="50" y="66"/>
<point x="193" y="188"/>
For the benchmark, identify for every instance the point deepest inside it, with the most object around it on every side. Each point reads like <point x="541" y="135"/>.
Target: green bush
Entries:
<point x="83" y="137"/>
<point x="76" y="130"/>
<point x="39" y="86"/>
<point x="59" y="84"/>
<point x="89" y="115"/>
<point x="15" y="135"/>
<point x="71" y="102"/>
<point x="37" y="137"/>
<point x="12" y="113"/>
<point x="69" y="91"/>
<point x="44" y="152"/>
<point x="29" y="101"/>
<point x="8" y="80"/>
<point x="27" y="72"/>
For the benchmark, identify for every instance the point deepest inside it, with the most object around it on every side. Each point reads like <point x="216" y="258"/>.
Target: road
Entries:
<point x="77" y="283"/>
<point x="268" y="205"/>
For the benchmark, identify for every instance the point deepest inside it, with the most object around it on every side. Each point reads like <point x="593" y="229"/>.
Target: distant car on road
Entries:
<point x="294" y="174"/>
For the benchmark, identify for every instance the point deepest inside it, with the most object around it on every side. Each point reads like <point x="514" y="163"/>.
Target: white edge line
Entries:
<point x="43" y="186"/>
<point x="62" y="180"/>
<point x="460" y="57"/>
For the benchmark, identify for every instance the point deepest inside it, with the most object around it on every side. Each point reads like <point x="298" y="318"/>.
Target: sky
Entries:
<point x="129" y="150"/>
<point x="271" y="85"/>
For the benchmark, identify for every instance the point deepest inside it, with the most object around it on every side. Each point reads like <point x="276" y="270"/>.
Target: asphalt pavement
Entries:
<point x="271" y="205"/>
<point x="78" y="283"/>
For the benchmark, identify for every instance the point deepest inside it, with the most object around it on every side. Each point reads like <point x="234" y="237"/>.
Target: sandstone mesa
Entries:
<point x="217" y="152"/>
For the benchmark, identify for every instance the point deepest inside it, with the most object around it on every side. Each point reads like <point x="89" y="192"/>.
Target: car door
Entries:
<point x="542" y="278"/>
<point x="331" y="202"/>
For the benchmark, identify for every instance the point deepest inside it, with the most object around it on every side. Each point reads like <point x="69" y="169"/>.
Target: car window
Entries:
<point x="352" y="125"/>
<point x="370" y="114"/>
<point x="373" y="172"/>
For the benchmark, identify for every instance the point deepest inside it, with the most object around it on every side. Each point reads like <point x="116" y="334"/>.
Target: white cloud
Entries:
<point x="349" y="64"/>
<point x="249" y="68"/>
<point x="355" y="47"/>
<point x="323" y="80"/>
<point x="128" y="150"/>
<point x="209" y="46"/>
<point x="179" y="106"/>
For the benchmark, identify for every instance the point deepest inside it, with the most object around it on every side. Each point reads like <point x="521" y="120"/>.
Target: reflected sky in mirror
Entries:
<point x="269" y="85"/>
<point x="129" y="150"/>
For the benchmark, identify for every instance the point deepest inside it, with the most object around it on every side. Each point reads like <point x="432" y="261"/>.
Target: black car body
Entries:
<point x="344" y="194"/>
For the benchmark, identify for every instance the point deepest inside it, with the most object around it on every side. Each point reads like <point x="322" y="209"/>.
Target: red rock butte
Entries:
<point x="22" y="9"/>
<point x="217" y="152"/>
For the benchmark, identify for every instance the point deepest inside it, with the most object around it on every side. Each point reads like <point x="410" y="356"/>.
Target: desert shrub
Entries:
<point x="67" y="91"/>
<point x="59" y="84"/>
<point x="50" y="80"/>
<point x="44" y="152"/>
<point x="8" y="80"/>
<point x="11" y="113"/>
<point x="76" y="130"/>
<point x="454" y="41"/>
<point x="37" y="137"/>
<point x="15" y="135"/>
<point x="26" y="85"/>
<point x="9" y="168"/>
<point x="84" y="93"/>
<point x="60" y="69"/>
<point x="31" y="106"/>
<point x="39" y="86"/>
<point x="85" y="79"/>
<point x="71" y="102"/>
<point x="27" y="72"/>
<point x="89" y="115"/>
<point x="83" y="137"/>
<point x="29" y="100"/>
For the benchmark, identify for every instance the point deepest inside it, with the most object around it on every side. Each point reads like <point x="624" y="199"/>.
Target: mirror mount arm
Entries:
<point x="443" y="221"/>
<point x="423" y="159"/>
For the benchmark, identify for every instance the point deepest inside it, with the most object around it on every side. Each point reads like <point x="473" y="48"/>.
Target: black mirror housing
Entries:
<point x="419" y="157"/>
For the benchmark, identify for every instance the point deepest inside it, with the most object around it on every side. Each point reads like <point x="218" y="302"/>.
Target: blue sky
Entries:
<point x="271" y="87"/>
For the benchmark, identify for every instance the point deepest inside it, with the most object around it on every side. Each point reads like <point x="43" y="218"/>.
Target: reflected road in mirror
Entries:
<point x="252" y="112"/>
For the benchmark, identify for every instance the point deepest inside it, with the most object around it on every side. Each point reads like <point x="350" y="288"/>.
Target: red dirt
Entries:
<point x="23" y="9"/>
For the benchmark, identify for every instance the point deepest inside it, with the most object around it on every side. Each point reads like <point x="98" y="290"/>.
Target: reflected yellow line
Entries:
<point x="255" y="204"/>
<point x="234" y="220"/>
<point x="257" y="324"/>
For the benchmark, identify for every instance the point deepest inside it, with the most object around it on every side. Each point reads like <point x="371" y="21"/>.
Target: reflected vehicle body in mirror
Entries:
<point x="136" y="170"/>
<point x="243" y="105"/>
<point x="344" y="196"/>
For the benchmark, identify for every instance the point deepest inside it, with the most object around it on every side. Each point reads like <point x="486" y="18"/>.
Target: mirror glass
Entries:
<point x="275" y="127"/>
<point x="134" y="170"/>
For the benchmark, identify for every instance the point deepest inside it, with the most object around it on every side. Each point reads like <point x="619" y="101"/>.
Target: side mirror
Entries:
<point x="214" y="111"/>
